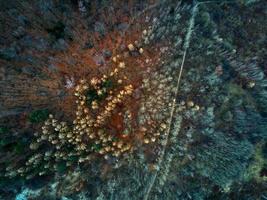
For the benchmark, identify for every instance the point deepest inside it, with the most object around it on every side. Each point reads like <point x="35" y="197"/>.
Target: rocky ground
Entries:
<point x="195" y="122"/>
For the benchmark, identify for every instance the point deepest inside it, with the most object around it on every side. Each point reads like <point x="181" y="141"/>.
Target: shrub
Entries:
<point x="38" y="116"/>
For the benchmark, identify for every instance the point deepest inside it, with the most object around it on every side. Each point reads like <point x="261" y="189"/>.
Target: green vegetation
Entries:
<point x="237" y="96"/>
<point x="3" y="142"/>
<point x="61" y="167"/>
<point x="108" y="84"/>
<point x="38" y="116"/>
<point x="7" y="144"/>
<point x="19" y="148"/>
<point x="115" y="139"/>
<point x="96" y="147"/>
<point x="257" y="165"/>
<point x="73" y="158"/>
<point x="3" y="130"/>
<point x="91" y="94"/>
